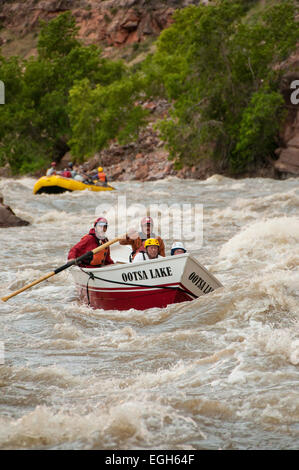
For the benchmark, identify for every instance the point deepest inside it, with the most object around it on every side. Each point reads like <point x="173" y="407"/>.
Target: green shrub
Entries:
<point x="216" y="64"/>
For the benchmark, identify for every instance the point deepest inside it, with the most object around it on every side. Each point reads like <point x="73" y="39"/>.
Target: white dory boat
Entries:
<point x="142" y="285"/>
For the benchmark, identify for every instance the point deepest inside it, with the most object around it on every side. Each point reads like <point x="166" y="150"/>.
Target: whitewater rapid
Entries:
<point x="220" y="372"/>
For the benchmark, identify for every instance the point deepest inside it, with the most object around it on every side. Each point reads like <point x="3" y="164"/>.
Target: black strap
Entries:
<point x="87" y="290"/>
<point x="92" y="276"/>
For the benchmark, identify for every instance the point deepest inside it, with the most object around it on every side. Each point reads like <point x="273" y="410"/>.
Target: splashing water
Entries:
<point x="220" y="372"/>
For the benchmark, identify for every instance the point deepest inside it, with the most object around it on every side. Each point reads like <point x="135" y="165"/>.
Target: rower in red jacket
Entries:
<point x="95" y="238"/>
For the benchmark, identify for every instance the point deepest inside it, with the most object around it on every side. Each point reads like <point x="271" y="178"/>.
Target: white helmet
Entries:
<point x="177" y="246"/>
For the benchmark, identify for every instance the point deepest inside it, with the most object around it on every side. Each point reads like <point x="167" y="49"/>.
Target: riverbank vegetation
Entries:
<point x="216" y="65"/>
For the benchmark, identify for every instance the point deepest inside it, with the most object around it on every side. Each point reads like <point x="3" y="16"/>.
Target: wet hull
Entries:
<point x="155" y="283"/>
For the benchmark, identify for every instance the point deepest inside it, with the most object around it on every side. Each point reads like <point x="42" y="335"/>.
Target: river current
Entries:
<point x="220" y="372"/>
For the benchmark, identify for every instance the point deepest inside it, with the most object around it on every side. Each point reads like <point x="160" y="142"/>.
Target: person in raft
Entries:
<point x="100" y="177"/>
<point x="95" y="237"/>
<point x="52" y="170"/>
<point x="151" y="250"/>
<point x="137" y="239"/>
<point x="177" y="249"/>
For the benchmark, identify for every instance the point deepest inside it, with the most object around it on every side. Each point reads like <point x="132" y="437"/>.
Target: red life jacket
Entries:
<point x="66" y="174"/>
<point x="88" y="243"/>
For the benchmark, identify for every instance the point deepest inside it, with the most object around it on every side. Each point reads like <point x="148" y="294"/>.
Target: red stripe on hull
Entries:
<point x="124" y="300"/>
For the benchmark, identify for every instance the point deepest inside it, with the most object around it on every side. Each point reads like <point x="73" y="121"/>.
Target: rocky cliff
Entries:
<point x="288" y="152"/>
<point x="111" y="23"/>
<point x="114" y="24"/>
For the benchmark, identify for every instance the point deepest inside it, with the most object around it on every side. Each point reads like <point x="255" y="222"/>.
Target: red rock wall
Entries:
<point x="113" y="23"/>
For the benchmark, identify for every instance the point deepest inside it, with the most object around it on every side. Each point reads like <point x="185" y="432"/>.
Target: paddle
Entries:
<point x="62" y="268"/>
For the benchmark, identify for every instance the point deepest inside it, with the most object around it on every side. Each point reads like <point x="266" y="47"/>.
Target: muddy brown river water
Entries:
<point x="220" y="372"/>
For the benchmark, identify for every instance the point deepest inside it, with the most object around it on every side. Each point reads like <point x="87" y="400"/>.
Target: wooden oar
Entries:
<point x="62" y="268"/>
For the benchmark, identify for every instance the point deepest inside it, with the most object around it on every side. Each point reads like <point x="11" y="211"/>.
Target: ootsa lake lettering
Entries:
<point x="200" y="283"/>
<point x="142" y="275"/>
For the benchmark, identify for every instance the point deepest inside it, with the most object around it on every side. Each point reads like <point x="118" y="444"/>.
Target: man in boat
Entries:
<point x="137" y="239"/>
<point x="72" y="169"/>
<point x="95" y="237"/>
<point x="80" y="175"/>
<point x="177" y="249"/>
<point x="77" y="173"/>
<point x="100" y="177"/>
<point x="52" y="170"/>
<point x="151" y="250"/>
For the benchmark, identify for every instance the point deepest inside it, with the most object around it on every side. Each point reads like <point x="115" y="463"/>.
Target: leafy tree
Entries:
<point x="259" y="124"/>
<point x="58" y="37"/>
<point x="103" y="113"/>
<point x="216" y="65"/>
<point x="34" y="123"/>
<point x="16" y="114"/>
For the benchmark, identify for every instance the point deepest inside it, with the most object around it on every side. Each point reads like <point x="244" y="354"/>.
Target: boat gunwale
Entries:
<point x="116" y="265"/>
<point x="151" y="261"/>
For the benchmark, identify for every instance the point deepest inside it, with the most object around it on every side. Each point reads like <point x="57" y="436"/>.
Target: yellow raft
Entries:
<point x="58" y="184"/>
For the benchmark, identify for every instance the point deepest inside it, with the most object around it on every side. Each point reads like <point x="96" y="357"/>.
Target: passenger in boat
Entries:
<point x="66" y="173"/>
<point x="151" y="250"/>
<point x="100" y="177"/>
<point x="137" y="239"/>
<point x="76" y="172"/>
<point x="52" y="170"/>
<point x="72" y="169"/>
<point x="95" y="237"/>
<point x="177" y="249"/>
<point x="80" y="175"/>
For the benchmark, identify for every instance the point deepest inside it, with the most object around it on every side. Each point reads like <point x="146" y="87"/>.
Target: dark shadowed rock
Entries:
<point x="5" y="171"/>
<point x="288" y="161"/>
<point x="8" y="217"/>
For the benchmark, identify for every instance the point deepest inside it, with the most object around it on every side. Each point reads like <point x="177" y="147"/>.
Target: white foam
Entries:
<point x="269" y="240"/>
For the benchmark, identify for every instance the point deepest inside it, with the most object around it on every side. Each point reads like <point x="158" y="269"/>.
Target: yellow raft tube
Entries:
<point x="58" y="184"/>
